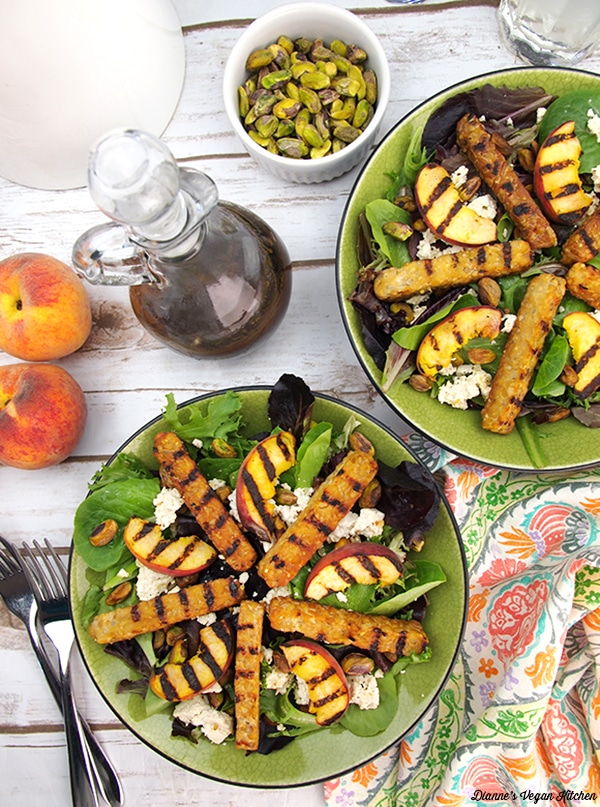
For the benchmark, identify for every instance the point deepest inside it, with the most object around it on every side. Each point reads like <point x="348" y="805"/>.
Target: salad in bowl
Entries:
<point x="469" y="268"/>
<point x="259" y="571"/>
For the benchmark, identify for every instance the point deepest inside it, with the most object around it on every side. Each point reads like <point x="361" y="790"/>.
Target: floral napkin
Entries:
<point x="519" y="719"/>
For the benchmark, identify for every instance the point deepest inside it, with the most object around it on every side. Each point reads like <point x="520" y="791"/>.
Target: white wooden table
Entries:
<point x="126" y="374"/>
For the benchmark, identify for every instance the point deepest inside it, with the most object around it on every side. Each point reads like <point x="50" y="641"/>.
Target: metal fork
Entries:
<point x="18" y="596"/>
<point x="48" y="579"/>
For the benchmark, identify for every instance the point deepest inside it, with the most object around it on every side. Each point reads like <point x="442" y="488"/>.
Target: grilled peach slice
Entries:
<point x="365" y="562"/>
<point x="445" y="213"/>
<point x="556" y="176"/>
<point x="180" y="681"/>
<point x="177" y="557"/>
<point x="255" y="486"/>
<point x="438" y="348"/>
<point x="583" y="333"/>
<point x="327" y="685"/>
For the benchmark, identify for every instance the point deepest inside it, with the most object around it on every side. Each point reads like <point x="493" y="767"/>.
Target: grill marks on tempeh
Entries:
<point x="336" y="626"/>
<point x="333" y="499"/>
<point x="179" y="469"/>
<point x="248" y="657"/>
<point x="521" y="353"/>
<point x="501" y="178"/>
<point x="457" y="269"/>
<point x="167" y="609"/>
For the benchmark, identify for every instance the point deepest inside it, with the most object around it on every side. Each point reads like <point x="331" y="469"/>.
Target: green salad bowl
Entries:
<point x="330" y="752"/>
<point x="567" y="444"/>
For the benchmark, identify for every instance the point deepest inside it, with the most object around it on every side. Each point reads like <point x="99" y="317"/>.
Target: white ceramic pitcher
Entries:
<point x="70" y="70"/>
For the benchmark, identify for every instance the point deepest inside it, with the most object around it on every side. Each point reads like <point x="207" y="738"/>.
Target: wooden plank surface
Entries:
<point x="126" y="374"/>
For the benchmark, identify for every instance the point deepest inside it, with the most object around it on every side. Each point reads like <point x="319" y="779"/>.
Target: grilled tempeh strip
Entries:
<point x="167" y="609"/>
<point x="456" y="269"/>
<point x="520" y="356"/>
<point x="583" y="244"/>
<point x="583" y="281"/>
<point x="331" y="625"/>
<point x="248" y="656"/>
<point x="332" y="500"/>
<point x="179" y="469"/>
<point x="501" y="178"/>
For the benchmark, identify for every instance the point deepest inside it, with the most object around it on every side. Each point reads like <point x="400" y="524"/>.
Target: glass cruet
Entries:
<point x="207" y="278"/>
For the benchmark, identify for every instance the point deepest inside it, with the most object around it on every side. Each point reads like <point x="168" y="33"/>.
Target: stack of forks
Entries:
<point x="33" y="584"/>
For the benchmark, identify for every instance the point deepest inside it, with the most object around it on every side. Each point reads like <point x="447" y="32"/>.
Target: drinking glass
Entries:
<point x="550" y="32"/>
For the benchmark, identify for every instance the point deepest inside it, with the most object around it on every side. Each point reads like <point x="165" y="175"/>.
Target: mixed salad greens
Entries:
<point x="398" y="510"/>
<point x="396" y="231"/>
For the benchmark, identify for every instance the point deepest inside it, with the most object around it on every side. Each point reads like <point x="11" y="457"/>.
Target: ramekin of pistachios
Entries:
<point x="306" y="87"/>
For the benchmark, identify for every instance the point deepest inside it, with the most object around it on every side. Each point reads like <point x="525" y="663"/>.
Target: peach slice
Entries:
<point x="556" y="178"/>
<point x="179" y="681"/>
<point x="255" y="486"/>
<point x="583" y="333"/>
<point x="179" y="556"/>
<point x="438" y="348"/>
<point x="365" y="562"/>
<point x="328" y="689"/>
<point x="445" y="213"/>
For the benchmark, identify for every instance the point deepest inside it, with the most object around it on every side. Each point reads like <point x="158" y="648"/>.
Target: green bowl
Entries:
<point x="331" y="752"/>
<point x="568" y="444"/>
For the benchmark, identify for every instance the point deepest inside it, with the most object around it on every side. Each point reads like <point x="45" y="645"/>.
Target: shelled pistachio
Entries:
<point x="305" y="99"/>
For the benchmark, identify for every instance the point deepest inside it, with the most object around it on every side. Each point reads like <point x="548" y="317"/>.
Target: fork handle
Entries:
<point x="100" y="765"/>
<point x="83" y="790"/>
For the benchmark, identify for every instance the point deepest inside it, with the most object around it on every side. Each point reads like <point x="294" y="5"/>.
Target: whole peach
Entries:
<point x="44" y="308"/>
<point x="42" y="415"/>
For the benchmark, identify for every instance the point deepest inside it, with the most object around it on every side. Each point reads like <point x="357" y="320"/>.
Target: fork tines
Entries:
<point x="46" y="570"/>
<point x="10" y="562"/>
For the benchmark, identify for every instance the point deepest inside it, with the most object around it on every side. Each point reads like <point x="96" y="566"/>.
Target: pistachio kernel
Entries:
<point x="119" y="593"/>
<point x="104" y="532"/>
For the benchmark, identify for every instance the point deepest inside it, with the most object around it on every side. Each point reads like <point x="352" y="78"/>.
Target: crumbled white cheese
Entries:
<point x="216" y="726"/>
<point x="244" y="577"/>
<point x="341" y="596"/>
<point x="216" y="484"/>
<point x="290" y="512"/>
<point x="123" y="573"/>
<point x="214" y="687"/>
<point x="459" y="176"/>
<point x="166" y="505"/>
<point x="508" y="323"/>
<point x="301" y="693"/>
<point x="364" y="691"/>
<point x="541" y="111"/>
<point x="278" y="591"/>
<point x="232" y="502"/>
<point x="197" y="442"/>
<point x="207" y="619"/>
<point x="426" y="248"/>
<point x="593" y="123"/>
<point x="278" y="681"/>
<point x="484" y="205"/>
<point x="596" y="178"/>
<point x="151" y="584"/>
<point x="416" y="303"/>
<point x="267" y="654"/>
<point x="469" y="381"/>
<point x="368" y="523"/>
